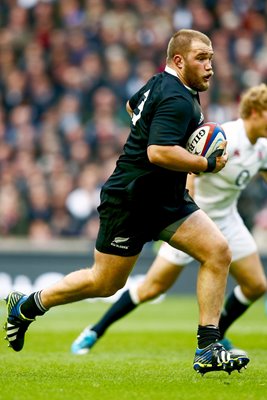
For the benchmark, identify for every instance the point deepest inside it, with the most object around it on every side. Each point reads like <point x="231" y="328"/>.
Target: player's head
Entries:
<point x="190" y="52"/>
<point x="253" y="109"/>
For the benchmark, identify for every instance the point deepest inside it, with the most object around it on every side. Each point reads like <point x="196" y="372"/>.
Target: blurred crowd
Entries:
<point x="67" y="68"/>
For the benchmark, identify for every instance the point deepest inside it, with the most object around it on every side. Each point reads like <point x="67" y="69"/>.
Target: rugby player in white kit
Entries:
<point x="217" y="194"/>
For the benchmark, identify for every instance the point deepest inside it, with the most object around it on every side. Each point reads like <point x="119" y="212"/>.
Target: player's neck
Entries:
<point x="174" y="71"/>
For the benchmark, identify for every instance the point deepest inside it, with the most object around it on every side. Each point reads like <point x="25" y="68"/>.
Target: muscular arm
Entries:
<point x="176" y="158"/>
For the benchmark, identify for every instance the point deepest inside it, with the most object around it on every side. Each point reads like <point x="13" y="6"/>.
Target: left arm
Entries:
<point x="128" y="109"/>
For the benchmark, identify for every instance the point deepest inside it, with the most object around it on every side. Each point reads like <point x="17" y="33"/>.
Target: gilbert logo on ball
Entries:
<point x="206" y="139"/>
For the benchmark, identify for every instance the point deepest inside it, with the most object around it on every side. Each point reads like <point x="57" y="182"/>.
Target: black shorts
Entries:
<point x="125" y="226"/>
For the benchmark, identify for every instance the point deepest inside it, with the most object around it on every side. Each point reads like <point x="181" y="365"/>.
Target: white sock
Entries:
<point x="133" y="292"/>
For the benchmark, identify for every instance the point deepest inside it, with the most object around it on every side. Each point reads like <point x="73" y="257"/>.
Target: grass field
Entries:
<point x="146" y="356"/>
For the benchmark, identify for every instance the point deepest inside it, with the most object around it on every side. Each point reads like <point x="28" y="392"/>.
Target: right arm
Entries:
<point x="176" y="158"/>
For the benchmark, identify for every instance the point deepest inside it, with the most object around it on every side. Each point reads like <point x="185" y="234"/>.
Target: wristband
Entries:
<point x="212" y="160"/>
<point x="211" y="164"/>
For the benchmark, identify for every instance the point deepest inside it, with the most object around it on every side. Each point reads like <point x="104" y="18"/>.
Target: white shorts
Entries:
<point x="240" y="240"/>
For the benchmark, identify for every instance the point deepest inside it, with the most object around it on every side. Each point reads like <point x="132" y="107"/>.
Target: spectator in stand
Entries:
<point x="51" y="51"/>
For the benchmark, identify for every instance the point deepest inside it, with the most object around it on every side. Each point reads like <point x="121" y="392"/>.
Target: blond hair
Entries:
<point x="254" y="98"/>
<point x="180" y="43"/>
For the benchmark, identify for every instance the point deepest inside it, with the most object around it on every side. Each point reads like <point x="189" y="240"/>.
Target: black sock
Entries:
<point x="118" y="310"/>
<point x="33" y="306"/>
<point x="231" y="311"/>
<point x="206" y="335"/>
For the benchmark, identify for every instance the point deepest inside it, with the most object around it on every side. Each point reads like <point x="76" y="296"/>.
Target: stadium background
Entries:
<point x="67" y="69"/>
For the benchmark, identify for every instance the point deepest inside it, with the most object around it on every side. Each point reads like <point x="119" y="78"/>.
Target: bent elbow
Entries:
<point x="153" y="155"/>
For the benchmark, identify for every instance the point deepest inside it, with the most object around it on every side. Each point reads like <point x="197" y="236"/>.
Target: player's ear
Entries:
<point x="178" y="60"/>
<point x="255" y="113"/>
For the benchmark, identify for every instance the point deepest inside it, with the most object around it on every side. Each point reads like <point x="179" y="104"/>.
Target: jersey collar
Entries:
<point x="171" y="71"/>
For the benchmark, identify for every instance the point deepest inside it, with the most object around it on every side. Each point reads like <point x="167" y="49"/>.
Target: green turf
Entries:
<point x="146" y="356"/>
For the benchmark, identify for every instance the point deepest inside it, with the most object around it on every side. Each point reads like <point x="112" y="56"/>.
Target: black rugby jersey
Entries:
<point x="165" y="112"/>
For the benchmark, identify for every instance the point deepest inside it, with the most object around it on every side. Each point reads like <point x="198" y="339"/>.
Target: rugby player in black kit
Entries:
<point x="145" y="199"/>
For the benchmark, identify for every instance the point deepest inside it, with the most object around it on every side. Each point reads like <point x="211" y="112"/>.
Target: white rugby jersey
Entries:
<point x="217" y="194"/>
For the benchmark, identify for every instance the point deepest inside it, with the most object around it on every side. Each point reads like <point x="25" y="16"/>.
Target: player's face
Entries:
<point x="261" y="124"/>
<point x="197" y="68"/>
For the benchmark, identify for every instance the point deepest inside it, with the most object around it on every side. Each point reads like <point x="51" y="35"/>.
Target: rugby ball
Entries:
<point x="206" y="139"/>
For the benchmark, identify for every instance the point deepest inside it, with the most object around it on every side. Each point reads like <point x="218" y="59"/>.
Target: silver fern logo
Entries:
<point x="201" y="119"/>
<point x="119" y="241"/>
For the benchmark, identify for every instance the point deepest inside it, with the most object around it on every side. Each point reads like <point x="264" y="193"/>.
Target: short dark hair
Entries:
<point x="180" y="43"/>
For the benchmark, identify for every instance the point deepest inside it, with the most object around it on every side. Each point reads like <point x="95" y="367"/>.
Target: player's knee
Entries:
<point x="221" y="255"/>
<point x="224" y="253"/>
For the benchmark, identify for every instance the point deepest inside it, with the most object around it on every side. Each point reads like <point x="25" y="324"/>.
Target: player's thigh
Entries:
<point x="249" y="272"/>
<point x="241" y="242"/>
<point x="199" y="237"/>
